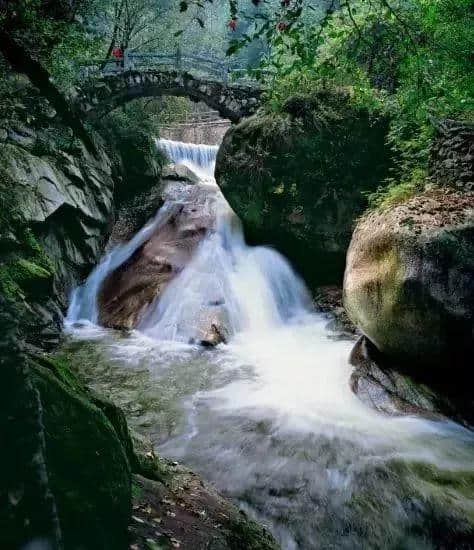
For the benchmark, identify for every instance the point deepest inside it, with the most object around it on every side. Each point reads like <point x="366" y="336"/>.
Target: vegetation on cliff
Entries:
<point x="344" y="83"/>
<point x="412" y="59"/>
<point x="296" y="177"/>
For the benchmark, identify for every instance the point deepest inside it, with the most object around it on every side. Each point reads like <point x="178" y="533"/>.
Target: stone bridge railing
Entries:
<point x="146" y="75"/>
<point x="208" y="67"/>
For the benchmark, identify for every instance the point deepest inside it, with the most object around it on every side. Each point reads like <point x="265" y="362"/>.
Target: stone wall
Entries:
<point x="209" y="133"/>
<point x="452" y="155"/>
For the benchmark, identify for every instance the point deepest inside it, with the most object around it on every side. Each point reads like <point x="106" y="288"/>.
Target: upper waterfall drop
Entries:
<point x="199" y="158"/>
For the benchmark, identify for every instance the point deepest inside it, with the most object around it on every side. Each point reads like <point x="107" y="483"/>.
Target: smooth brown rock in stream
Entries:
<point x="128" y="291"/>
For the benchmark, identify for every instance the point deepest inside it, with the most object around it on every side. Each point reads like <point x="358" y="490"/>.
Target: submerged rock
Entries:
<point x="409" y="281"/>
<point x="179" y="172"/>
<point x="296" y="178"/>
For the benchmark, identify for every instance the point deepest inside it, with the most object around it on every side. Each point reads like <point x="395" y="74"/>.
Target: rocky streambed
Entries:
<point x="269" y="415"/>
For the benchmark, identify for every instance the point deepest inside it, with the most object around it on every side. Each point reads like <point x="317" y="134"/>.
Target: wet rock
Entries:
<point x="328" y="299"/>
<point x="22" y="135"/>
<point x="296" y="180"/>
<point x="213" y="326"/>
<point x="409" y="281"/>
<point x="179" y="172"/>
<point x="129" y="290"/>
<point x="385" y="390"/>
<point x="389" y="388"/>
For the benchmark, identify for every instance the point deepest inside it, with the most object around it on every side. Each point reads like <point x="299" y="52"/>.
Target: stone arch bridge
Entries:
<point x="220" y="86"/>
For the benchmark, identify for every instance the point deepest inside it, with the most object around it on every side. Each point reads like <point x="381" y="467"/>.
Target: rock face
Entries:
<point x="409" y="280"/>
<point x="64" y="465"/>
<point x="296" y="179"/>
<point x="63" y="203"/>
<point x="452" y="155"/>
<point x="390" y="389"/>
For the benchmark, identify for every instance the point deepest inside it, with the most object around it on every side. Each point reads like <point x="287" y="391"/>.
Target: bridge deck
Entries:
<point x="211" y="67"/>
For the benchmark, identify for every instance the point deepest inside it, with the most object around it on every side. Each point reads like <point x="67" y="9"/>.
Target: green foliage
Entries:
<point x="412" y="59"/>
<point x="129" y="136"/>
<point x="396" y="193"/>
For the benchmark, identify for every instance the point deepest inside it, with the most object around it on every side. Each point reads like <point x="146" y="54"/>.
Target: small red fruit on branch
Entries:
<point x="232" y="24"/>
<point x="282" y="26"/>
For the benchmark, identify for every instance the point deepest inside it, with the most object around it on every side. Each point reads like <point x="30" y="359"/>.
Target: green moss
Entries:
<point x="62" y="370"/>
<point x="245" y="533"/>
<point x="87" y="466"/>
<point x="397" y="193"/>
<point x="20" y="277"/>
<point x="26" y="270"/>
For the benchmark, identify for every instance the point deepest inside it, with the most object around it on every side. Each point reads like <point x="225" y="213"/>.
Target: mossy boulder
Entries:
<point x="296" y="178"/>
<point x="65" y="477"/>
<point x="409" y="280"/>
<point x="56" y="209"/>
<point x="87" y="466"/>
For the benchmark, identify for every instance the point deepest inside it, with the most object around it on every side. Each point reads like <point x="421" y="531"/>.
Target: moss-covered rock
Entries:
<point x="55" y="211"/>
<point x="88" y="470"/>
<point x="409" y="280"/>
<point x="65" y="478"/>
<point x="296" y="178"/>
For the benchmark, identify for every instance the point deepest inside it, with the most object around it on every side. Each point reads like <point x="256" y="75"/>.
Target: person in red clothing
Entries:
<point x="117" y="54"/>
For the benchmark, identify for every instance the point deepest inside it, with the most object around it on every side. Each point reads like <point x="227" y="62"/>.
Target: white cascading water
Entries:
<point x="280" y="418"/>
<point x="83" y="301"/>
<point x="200" y="158"/>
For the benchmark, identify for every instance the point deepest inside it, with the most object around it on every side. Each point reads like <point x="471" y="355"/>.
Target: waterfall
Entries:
<point x="270" y="417"/>
<point x="247" y="288"/>
<point x="254" y="287"/>
<point x="200" y="158"/>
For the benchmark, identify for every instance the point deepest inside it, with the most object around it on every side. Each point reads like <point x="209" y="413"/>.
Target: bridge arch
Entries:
<point x="231" y="100"/>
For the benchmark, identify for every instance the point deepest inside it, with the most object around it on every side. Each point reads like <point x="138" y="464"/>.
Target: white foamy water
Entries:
<point x="270" y="417"/>
<point x="200" y="158"/>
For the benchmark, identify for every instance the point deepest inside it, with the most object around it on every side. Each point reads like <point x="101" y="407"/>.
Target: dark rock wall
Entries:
<point x="452" y="155"/>
<point x="63" y="203"/>
<point x="296" y="179"/>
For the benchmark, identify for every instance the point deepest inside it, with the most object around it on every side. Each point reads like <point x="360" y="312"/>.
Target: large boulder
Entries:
<point x="56" y="210"/>
<point x="189" y="215"/>
<point x="297" y="178"/>
<point x="409" y="280"/>
<point x="65" y="478"/>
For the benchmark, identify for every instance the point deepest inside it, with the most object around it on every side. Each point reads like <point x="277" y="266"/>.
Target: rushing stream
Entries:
<point x="269" y="418"/>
